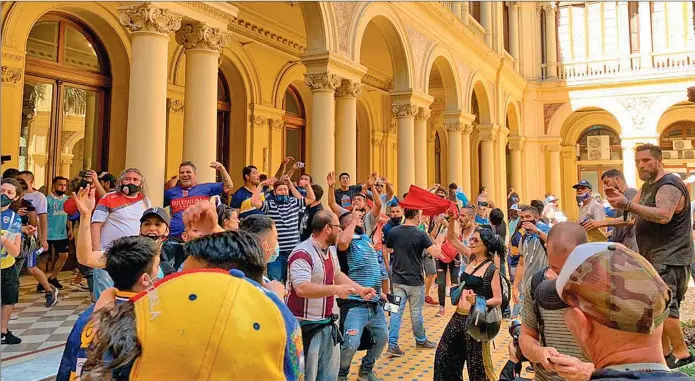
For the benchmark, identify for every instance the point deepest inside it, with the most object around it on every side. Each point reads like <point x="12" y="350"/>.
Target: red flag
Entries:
<point x="430" y="204"/>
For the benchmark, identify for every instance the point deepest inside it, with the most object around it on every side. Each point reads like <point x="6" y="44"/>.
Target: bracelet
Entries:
<point x="628" y="206"/>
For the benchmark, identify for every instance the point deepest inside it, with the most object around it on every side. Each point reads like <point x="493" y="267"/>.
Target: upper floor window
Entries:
<point x="599" y="143"/>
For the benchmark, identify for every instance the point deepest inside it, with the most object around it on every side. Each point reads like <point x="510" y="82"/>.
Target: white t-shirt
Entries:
<point x="120" y="215"/>
<point x="38" y="200"/>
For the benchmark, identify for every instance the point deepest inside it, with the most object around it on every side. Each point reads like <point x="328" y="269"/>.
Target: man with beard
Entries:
<point x="189" y="192"/>
<point x="663" y="228"/>
<point x="284" y="210"/>
<point x="358" y="203"/>
<point x="347" y="192"/>
<point x="314" y="280"/>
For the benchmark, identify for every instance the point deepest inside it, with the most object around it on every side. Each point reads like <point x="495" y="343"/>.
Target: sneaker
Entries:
<point x="9" y="338"/>
<point x="448" y="292"/>
<point x="395" y="351"/>
<point x="39" y="288"/>
<point x="52" y="297"/>
<point x="440" y="313"/>
<point x="55" y="283"/>
<point x="430" y="300"/>
<point x="426" y="345"/>
<point x="674" y="363"/>
<point x="371" y="376"/>
<point x="79" y="287"/>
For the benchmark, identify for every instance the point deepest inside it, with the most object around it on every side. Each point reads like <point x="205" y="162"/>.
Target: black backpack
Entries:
<point x="506" y="287"/>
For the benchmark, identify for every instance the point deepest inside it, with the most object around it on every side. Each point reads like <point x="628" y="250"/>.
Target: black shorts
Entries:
<point x="677" y="278"/>
<point x="9" y="286"/>
<point x="60" y="245"/>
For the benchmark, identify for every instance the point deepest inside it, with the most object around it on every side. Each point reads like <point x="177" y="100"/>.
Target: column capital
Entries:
<point x="147" y="17"/>
<point x="348" y="89"/>
<point x="487" y="132"/>
<point x="66" y="158"/>
<point x="568" y="152"/>
<point x="467" y="129"/>
<point x="404" y="111"/>
<point x="553" y="147"/>
<point x="423" y="113"/>
<point x="258" y="121"/>
<point x="513" y="5"/>
<point x="322" y="81"/>
<point x="549" y="7"/>
<point x="12" y="75"/>
<point x="202" y="36"/>
<point x="175" y="105"/>
<point x="453" y="126"/>
<point x="516" y="143"/>
<point x="378" y="141"/>
<point x="276" y="124"/>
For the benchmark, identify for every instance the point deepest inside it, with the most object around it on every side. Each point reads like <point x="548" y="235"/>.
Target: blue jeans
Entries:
<point x="323" y="358"/>
<point x="101" y="282"/>
<point x="277" y="270"/>
<point x="516" y="311"/>
<point x="357" y="319"/>
<point x="415" y="295"/>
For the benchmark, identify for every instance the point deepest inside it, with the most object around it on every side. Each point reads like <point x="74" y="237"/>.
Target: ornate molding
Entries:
<point x="212" y="11"/>
<point x="344" y="11"/>
<point x="258" y="121"/>
<point x="276" y="124"/>
<point x="549" y="110"/>
<point x="419" y="43"/>
<point x="516" y="143"/>
<point x="11" y="75"/>
<point x="467" y="129"/>
<point x="349" y="89"/>
<point x="568" y="152"/>
<point x="548" y="8"/>
<point x="392" y="126"/>
<point x="487" y="133"/>
<point x="322" y="81"/>
<point x="513" y="5"/>
<point x="638" y="108"/>
<point x="423" y="113"/>
<point x="552" y="147"/>
<point x="378" y="142"/>
<point x="12" y="57"/>
<point x="202" y="36"/>
<point x="404" y="111"/>
<point x="453" y="126"/>
<point x="175" y="105"/>
<point x="149" y="18"/>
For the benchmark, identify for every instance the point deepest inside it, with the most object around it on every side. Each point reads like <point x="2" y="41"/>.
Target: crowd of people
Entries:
<point x="595" y="299"/>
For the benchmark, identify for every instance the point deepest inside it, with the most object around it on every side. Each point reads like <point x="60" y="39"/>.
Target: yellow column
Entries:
<point x="514" y="31"/>
<point x="555" y="173"/>
<point x="455" y="161"/>
<point x="624" y="36"/>
<point x="488" y="134"/>
<point x="150" y="27"/>
<point x="420" y="152"/>
<point x="65" y="163"/>
<point x="486" y="20"/>
<point x="466" y="160"/>
<point x="456" y="8"/>
<point x="569" y="177"/>
<point x="203" y="46"/>
<point x="516" y="145"/>
<point x="501" y="165"/>
<point x="465" y="12"/>
<point x="322" y="148"/>
<point x="346" y="127"/>
<point x="550" y="40"/>
<point x="645" y="33"/>
<point x="405" y="114"/>
<point x="629" y="168"/>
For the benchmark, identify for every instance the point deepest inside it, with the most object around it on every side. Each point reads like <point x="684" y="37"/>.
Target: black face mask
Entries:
<point x="130" y="189"/>
<point x="359" y="230"/>
<point x="59" y="192"/>
<point x="396" y="220"/>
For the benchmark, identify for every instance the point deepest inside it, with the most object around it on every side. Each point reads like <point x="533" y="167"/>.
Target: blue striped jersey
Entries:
<point x="286" y="218"/>
<point x="361" y="264"/>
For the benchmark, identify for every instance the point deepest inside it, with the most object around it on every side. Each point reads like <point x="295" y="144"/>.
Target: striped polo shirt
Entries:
<point x="361" y="263"/>
<point x="286" y="218"/>
<point x="120" y="216"/>
<point x="309" y="263"/>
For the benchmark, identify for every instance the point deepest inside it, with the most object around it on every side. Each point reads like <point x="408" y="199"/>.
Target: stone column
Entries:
<point x="465" y="12"/>
<point x="322" y="148"/>
<point x="514" y="31"/>
<point x="203" y="46"/>
<point x="629" y="168"/>
<point x="466" y="160"/>
<point x="487" y="134"/>
<point x="516" y="145"/>
<point x="555" y="172"/>
<point x="405" y="115"/>
<point x="486" y="20"/>
<point x="501" y="163"/>
<point x="146" y="136"/>
<point x="624" y="35"/>
<point x="645" y="33"/>
<point x="454" y="161"/>
<point x="346" y="127"/>
<point x="456" y="8"/>
<point x="65" y="164"/>
<point x="550" y="40"/>
<point x="420" y="153"/>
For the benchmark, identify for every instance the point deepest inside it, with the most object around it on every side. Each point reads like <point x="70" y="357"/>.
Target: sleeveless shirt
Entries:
<point x="670" y="243"/>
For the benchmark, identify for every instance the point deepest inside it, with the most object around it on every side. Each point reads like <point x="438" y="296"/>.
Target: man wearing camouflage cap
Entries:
<point x="616" y="306"/>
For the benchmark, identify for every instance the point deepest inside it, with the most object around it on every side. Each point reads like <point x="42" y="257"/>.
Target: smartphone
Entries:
<point x="83" y="173"/>
<point x="393" y="308"/>
<point x="300" y="164"/>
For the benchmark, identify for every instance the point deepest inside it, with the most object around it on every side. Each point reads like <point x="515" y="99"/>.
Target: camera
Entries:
<point x="393" y="303"/>
<point x="515" y="330"/>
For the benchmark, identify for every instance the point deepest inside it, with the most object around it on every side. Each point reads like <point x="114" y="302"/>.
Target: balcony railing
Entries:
<point x="476" y="28"/>
<point x="617" y="67"/>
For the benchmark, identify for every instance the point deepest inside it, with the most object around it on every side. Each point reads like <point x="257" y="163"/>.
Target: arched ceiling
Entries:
<point x="372" y="51"/>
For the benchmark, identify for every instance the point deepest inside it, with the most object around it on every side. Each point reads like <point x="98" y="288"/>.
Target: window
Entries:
<point x="224" y="107"/>
<point x="675" y="133"/>
<point x="64" y="126"/>
<point x="295" y="122"/>
<point x="633" y="16"/>
<point x="608" y="148"/>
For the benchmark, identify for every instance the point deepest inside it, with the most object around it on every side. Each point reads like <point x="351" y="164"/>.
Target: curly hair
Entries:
<point x="494" y="244"/>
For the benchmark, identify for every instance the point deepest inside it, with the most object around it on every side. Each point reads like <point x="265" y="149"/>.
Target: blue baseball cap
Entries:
<point x="583" y="184"/>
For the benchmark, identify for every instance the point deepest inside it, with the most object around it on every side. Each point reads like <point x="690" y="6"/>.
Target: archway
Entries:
<point x="677" y="141"/>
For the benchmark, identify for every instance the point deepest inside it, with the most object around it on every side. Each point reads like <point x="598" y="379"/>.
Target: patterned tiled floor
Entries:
<point x="42" y="328"/>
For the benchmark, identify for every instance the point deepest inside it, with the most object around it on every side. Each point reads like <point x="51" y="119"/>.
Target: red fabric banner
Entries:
<point x="429" y="203"/>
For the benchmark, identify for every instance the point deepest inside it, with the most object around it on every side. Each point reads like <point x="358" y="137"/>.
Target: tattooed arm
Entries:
<point x="668" y="198"/>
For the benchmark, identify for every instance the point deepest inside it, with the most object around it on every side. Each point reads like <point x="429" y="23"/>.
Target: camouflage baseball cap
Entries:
<point x="612" y="285"/>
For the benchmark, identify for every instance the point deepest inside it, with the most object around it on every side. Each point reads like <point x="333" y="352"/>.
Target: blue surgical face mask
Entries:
<point x="583" y="197"/>
<point x="5" y="201"/>
<point x="275" y="254"/>
<point x="282" y="199"/>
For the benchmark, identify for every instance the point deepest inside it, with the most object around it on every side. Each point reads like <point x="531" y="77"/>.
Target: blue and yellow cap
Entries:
<point x="208" y="325"/>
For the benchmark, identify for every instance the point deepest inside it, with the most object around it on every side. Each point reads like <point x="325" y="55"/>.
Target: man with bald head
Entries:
<point x="544" y="333"/>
